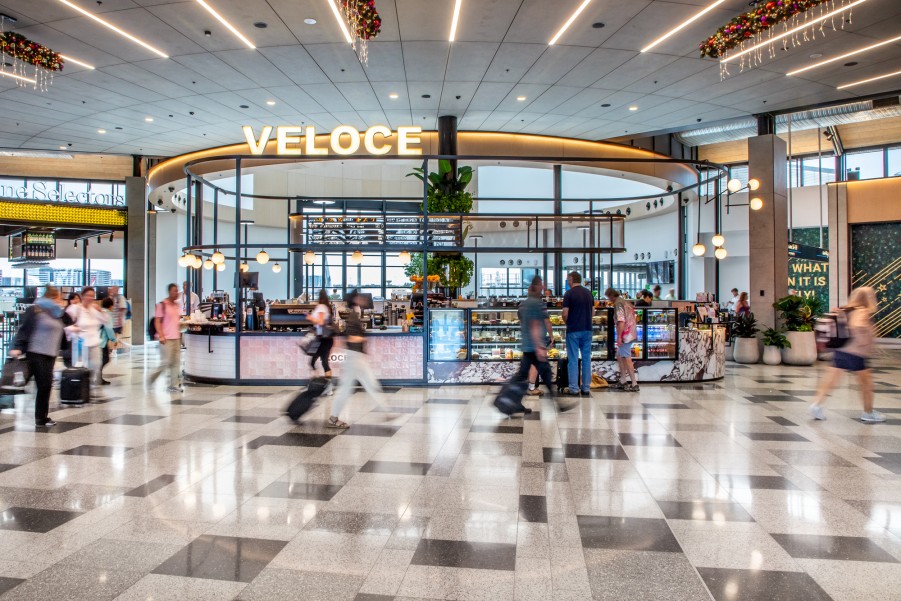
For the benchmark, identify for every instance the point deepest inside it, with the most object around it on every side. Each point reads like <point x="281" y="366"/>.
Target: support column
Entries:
<point x="447" y="139"/>
<point x="839" y="244"/>
<point x="768" y="227"/>
<point x="559" y="276"/>
<point x="136" y="252"/>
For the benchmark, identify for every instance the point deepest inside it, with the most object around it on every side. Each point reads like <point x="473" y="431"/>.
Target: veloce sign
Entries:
<point x="293" y="140"/>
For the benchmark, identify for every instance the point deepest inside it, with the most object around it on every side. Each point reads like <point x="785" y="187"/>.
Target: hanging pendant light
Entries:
<point x="405" y="257"/>
<point x="220" y="267"/>
<point x="309" y="257"/>
<point x="208" y="264"/>
<point x="197" y="261"/>
<point x="698" y="249"/>
<point x="262" y="257"/>
<point x="720" y="253"/>
<point x="753" y="184"/>
<point x="756" y="204"/>
<point x="734" y="185"/>
<point x="244" y="267"/>
<point x="356" y="258"/>
<point x="718" y="240"/>
<point x="276" y="268"/>
<point x="185" y="260"/>
<point x="218" y="258"/>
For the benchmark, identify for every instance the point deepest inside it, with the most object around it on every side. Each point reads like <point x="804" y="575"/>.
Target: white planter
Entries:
<point x="772" y="355"/>
<point x="803" y="350"/>
<point x="746" y="350"/>
<point x="730" y="351"/>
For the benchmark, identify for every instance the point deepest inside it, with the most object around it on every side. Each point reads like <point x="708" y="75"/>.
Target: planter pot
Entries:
<point x="772" y="355"/>
<point x="803" y="350"/>
<point x="746" y="350"/>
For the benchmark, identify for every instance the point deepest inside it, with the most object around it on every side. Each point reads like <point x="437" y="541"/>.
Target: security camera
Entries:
<point x="686" y="202"/>
<point x="159" y="201"/>
<point x="172" y="210"/>
<point x="171" y="188"/>
<point x="191" y="113"/>
<point x="459" y="97"/>
<point x="669" y="188"/>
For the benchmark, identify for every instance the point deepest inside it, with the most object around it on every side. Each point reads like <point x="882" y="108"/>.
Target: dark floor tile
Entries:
<point x="151" y="487"/>
<point x="300" y="490"/>
<point x="443" y="466"/>
<point x="346" y="522"/>
<point x="252" y="395"/>
<point x="776" y="436"/>
<point x="213" y="435"/>
<point x="782" y="421"/>
<point x="250" y="419"/>
<point x="534" y="416"/>
<point x="448" y="401"/>
<point x="761" y="585"/>
<point x="496" y="429"/>
<point x="665" y="406"/>
<point x="133" y="420"/>
<point x="800" y="392"/>
<point x="396" y="467"/>
<point x="810" y="457"/>
<point x="730" y="482"/>
<point x="27" y="519"/>
<point x="889" y="461"/>
<point x="7" y="466"/>
<point x="222" y="558"/>
<point x="627" y="534"/>
<point x="628" y="416"/>
<point x="59" y="428"/>
<point x="888" y="422"/>
<point x="89" y="450"/>
<point x="301" y="439"/>
<point x="774" y="381"/>
<point x="258" y="442"/>
<point x="372" y="430"/>
<point x="702" y="510"/>
<point x="533" y="508"/>
<point x="844" y="548"/>
<point x="190" y="402"/>
<point x="594" y="451"/>
<point x="8" y="584"/>
<point x="462" y="554"/>
<point x="554" y="455"/>
<point x="775" y="398"/>
<point x="395" y="409"/>
<point x="368" y="597"/>
<point x="648" y="440"/>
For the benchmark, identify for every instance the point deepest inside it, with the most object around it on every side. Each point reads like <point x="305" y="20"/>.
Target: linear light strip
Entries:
<point x="863" y="81"/>
<point x="14" y="76"/>
<point x="124" y="34"/>
<point x="846" y="55"/>
<point x="76" y="61"/>
<point x="453" y="31"/>
<point x="568" y="23"/>
<point x="792" y="31"/>
<point x="228" y="25"/>
<point x="683" y="25"/>
<point x="332" y="4"/>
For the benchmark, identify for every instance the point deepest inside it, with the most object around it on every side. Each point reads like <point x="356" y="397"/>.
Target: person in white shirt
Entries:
<point x="730" y="306"/>
<point x="671" y="295"/>
<point x="88" y="320"/>
<point x="195" y="300"/>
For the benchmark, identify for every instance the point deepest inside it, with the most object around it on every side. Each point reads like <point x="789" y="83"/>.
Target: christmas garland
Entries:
<point x="752" y="23"/>
<point x="363" y="17"/>
<point x="23" y="49"/>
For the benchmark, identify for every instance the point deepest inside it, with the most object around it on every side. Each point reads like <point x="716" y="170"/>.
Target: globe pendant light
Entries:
<point x="756" y="204"/>
<point x="356" y="258"/>
<point x="405" y="257"/>
<point x="276" y="268"/>
<point x="244" y="267"/>
<point x="218" y="258"/>
<point x="309" y="257"/>
<point x="184" y="260"/>
<point x="262" y="257"/>
<point x="208" y="264"/>
<point x="198" y="262"/>
<point x="734" y="185"/>
<point x="718" y="240"/>
<point x="720" y="253"/>
<point x="220" y="267"/>
<point x="699" y="249"/>
<point x="753" y="184"/>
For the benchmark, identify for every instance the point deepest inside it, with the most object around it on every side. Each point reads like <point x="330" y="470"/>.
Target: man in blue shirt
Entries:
<point x="578" y="309"/>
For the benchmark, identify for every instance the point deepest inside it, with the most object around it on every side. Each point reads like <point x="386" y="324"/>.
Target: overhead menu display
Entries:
<point x="404" y="232"/>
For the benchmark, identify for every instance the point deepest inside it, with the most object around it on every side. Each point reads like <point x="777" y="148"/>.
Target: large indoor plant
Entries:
<point x="798" y="315"/>
<point x="745" y="329"/>
<point x="773" y="343"/>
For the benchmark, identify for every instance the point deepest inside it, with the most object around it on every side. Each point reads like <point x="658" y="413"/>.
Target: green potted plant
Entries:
<point x="745" y="329"/>
<point x="773" y="343"/>
<point x="798" y="315"/>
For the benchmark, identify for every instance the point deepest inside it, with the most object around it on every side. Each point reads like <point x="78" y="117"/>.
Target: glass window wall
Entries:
<point x="868" y="164"/>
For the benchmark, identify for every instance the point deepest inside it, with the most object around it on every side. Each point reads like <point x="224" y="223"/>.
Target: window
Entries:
<point x="794" y="173"/>
<point x="739" y="172"/>
<point x="867" y="164"/>
<point x="815" y="171"/>
<point x="894" y="161"/>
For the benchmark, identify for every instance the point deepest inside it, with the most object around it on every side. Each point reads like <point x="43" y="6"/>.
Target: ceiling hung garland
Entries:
<point x="27" y="62"/>
<point x="364" y="23"/>
<point x="751" y="37"/>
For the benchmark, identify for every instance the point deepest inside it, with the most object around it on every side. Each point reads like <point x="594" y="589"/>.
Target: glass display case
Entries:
<point x="494" y="335"/>
<point x="447" y="335"/>
<point x="655" y="334"/>
<point x="599" y="342"/>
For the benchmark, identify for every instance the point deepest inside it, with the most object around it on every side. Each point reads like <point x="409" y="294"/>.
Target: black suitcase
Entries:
<point x="563" y="374"/>
<point x="304" y="401"/>
<point x="509" y="399"/>
<point x="75" y="386"/>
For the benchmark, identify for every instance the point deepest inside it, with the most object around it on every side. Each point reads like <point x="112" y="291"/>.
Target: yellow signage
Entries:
<point x="294" y="140"/>
<point x="27" y="212"/>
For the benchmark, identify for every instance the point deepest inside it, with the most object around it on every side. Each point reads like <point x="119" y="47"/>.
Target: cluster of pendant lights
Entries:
<point x="718" y="240"/>
<point x="217" y="260"/>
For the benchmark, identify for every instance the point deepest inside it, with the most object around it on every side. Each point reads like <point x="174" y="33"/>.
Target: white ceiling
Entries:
<point x="501" y="53"/>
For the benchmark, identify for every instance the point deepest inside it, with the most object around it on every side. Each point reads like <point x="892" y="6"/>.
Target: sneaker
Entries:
<point x="631" y="388"/>
<point x="586" y="393"/>
<point x="534" y="392"/>
<point x="816" y="412"/>
<point x="174" y="389"/>
<point x="47" y="424"/>
<point x="569" y="392"/>
<point x="873" y="417"/>
<point x="616" y="385"/>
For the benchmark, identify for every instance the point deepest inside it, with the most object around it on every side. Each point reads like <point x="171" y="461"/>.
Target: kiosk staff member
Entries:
<point x="182" y="302"/>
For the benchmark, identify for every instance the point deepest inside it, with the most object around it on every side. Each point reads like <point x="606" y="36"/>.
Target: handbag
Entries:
<point x="16" y="373"/>
<point x="309" y="344"/>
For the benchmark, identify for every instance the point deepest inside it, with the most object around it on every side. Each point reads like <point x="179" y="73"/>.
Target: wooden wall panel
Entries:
<point x="874" y="200"/>
<point x="80" y="166"/>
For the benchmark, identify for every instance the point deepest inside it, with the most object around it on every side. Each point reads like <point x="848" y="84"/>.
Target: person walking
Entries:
<point x="356" y="367"/>
<point x="167" y="321"/>
<point x="323" y="319"/>
<point x="108" y="336"/>
<point x="39" y="336"/>
<point x="578" y="308"/>
<point x="624" y="316"/>
<point x="853" y="356"/>
<point x="88" y="322"/>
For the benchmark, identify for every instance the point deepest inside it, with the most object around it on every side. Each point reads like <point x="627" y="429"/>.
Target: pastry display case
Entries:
<point x="447" y="335"/>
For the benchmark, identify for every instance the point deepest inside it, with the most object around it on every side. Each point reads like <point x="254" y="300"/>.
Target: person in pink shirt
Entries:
<point x="167" y="321"/>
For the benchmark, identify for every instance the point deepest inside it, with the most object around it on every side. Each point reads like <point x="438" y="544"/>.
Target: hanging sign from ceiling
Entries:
<point x="295" y="140"/>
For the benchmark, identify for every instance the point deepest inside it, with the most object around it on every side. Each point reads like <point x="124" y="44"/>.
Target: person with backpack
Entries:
<point x="323" y="319"/>
<point x="852" y="354"/>
<point x="166" y="327"/>
<point x="39" y="336"/>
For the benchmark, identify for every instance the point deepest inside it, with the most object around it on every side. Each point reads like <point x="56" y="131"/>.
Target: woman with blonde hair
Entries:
<point x="853" y="356"/>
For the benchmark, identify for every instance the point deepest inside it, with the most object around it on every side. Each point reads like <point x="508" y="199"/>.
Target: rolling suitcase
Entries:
<point x="562" y="382"/>
<point x="509" y="399"/>
<point x="304" y="401"/>
<point x="75" y="386"/>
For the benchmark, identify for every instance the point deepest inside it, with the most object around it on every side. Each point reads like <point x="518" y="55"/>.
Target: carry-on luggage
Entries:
<point x="304" y="401"/>
<point x="75" y="386"/>
<point x="563" y="374"/>
<point x="509" y="399"/>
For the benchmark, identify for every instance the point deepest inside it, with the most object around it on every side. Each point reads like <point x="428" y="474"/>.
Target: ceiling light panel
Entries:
<point x="846" y="55"/>
<point x="682" y="25"/>
<point x="454" y="20"/>
<point x="69" y="59"/>
<point x="206" y="6"/>
<point x="868" y="80"/>
<point x="17" y="77"/>
<point x="569" y="22"/>
<point x="109" y="25"/>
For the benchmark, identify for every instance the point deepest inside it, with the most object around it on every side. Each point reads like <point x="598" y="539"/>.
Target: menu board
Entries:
<point x="405" y="232"/>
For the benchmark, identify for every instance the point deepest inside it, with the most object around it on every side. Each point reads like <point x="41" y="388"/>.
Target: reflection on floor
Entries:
<point x="715" y="491"/>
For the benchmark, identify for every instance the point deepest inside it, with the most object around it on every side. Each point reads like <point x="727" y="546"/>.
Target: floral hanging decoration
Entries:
<point x="32" y="63"/>
<point x="364" y="24"/>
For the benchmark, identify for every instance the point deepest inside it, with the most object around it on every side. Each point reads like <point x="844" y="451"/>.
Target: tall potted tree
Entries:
<point x="745" y="330"/>
<point x="798" y="315"/>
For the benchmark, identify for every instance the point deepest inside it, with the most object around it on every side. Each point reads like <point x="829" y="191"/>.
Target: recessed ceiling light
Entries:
<point x="682" y="25"/>
<point x="569" y="22"/>
<point x="19" y="77"/>
<point x="244" y="106"/>
<point x="846" y="55"/>
<point x="101" y="131"/>
<point x="76" y="61"/>
<point x="863" y="81"/>
<point x="261" y="25"/>
<point x="148" y="119"/>
<point x="816" y="55"/>
<point x="310" y="21"/>
<point x="520" y="98"/>
<point x="114" y="28"/>
<point x="332" y="4"/>
<point x="228" y="25"/>
<point x="633" y="108"/>
<point x="456" y="17"/>
<point x="270" y="102"/>
<point x="62" y="147"/>
<point x="393" y="95"/>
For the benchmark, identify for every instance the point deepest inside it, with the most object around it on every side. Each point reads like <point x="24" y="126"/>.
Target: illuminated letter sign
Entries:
<point x="292" y="140"/>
